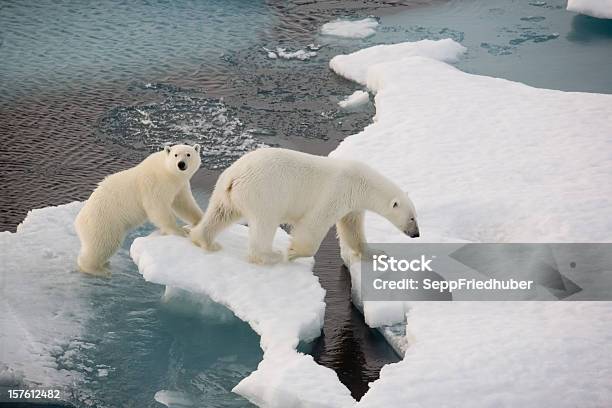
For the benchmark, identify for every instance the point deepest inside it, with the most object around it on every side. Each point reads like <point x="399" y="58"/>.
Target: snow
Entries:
<point x="594" y="8"/>
<point x="486" y="160"/>
<point x="354" y="100"/>
<point x="350" y="28"/>
<point x="43" y="305"/>
<point x="282" y="303"/>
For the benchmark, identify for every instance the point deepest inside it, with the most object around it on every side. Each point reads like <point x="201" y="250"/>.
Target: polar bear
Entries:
<point x="157" y="190"/>
<point x="273" y="186"/>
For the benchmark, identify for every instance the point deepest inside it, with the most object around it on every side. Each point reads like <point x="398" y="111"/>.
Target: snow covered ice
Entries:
<point x="593" y="8"/>
<point x="282" y="303"/>
<point x="350" y="28"/>
<point x="486" y="160"/>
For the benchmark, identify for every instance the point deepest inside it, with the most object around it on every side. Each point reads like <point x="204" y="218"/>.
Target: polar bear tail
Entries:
<point x="223" y="191"/>
<point x="220" y="214"/>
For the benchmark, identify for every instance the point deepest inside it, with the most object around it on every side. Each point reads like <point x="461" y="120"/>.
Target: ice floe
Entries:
<point x="350" y="28"/>
<point x="282" y="303"/>
<point x="486" y="160"/>
<point x="40" y="333"/>
<point x="354" y="100"/>
<point x="593" y="8"/>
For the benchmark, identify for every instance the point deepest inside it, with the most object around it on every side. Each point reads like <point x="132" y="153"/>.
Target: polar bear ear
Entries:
<point x="196" y="147"/>
<point x="167" y="149"/>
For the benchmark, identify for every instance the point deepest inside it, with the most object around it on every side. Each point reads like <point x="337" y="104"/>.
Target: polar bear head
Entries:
<point x="401" y="213"/>
<point x="182" y="160"/>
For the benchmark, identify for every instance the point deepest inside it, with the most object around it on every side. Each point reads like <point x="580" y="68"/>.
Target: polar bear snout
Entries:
<point x="182" y="165"/>
<point x="412" y="230"/>
<point x="413" y="234"/>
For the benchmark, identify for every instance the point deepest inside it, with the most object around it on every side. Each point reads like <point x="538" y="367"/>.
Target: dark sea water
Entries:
<point x="87" y="89"/>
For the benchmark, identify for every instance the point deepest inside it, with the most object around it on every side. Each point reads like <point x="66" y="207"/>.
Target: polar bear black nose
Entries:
<point x="182" y="165"/>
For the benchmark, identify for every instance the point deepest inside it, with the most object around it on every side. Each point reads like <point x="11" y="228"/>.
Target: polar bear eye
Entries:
<point x="412" y="219"/>
<point x="176" y="155"/>
<point x="395" y="204"/>
<point x="188" y="155"/>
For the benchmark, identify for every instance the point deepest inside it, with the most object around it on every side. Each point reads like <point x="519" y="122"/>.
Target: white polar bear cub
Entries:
<point x="157" y="190"/>
<point x="273" y="186"/>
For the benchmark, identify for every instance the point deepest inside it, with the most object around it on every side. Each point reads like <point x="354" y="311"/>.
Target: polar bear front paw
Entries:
<point x="294" y="252"/>
<point x="266" y="258"/>
<point x="203" y="243"/>
<point x="211" y="247"/>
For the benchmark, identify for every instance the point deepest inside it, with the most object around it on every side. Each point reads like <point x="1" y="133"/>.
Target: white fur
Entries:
<point x="273" y="186"/>
<point x="155" y="190"/>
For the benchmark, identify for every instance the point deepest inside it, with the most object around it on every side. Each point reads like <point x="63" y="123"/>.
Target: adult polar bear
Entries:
<point x="271" y="186"/>
<point x="157" y="190"/>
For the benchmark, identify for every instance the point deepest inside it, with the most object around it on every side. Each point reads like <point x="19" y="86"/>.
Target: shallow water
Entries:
<point x="87" y="91"/>
<point x="139" y="348"/>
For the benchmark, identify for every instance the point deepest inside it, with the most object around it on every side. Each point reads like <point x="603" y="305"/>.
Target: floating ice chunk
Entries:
<point x="356" y="99"/>
<point x="174" y="399"/>
<point x="351" y="28"/>
<point x="283" y="303"/>
<point x="593" y="8"/>
<point x="355" y="66"/>
<point x="490" y="160"/>
<point x="301" y="55"/>
<point x="43" y="303"/>
<point x="146" y="118"/>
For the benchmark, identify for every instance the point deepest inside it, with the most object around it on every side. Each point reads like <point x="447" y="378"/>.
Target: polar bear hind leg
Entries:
<point x="261" y="237"/>
<point x="94" y="260"/>
<point x="217" y="217"/>
<point x="306" y="237"/>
